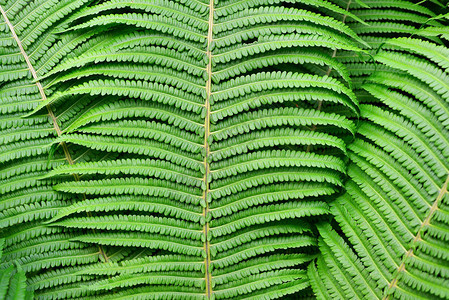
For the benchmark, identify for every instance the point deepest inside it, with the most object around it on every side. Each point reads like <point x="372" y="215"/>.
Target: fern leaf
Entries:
<point x="398" y="181"/>
<point x="174" y="149"/>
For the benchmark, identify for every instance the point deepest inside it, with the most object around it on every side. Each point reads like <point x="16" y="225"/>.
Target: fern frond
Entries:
<point x="138" y="146"/>
<point x="253" y="249"/>
<point x="173" y="292"/>
<point x="147" y="264"/>
<point x="40" y="245"/>
<point x="255" y="141"/>
<point x="156" y="278"/>
<point x="259" y="265"/>
<point x="29" y="212"/>
<point x="398" y="183"/>
<point x="152" y="241"/>
<point x="121" y="109"/>
<point x="143" y="167"/>
<point x="175" y="149"/>
<point x="162" y="226"/>
<point x="59" y="258"/>
<point x="265" y="280"/>
<point x="117" y="203"/>
<point x="174" y="27"/>
<point x="147" y="130"/>
<point x="306" y="56"/>
<point x="185" y="12"/>
<point x="120" y="186"/>
<point x="257" y="215"/>
<point x="278" y="158"/>
<point x="267" y="195"/>
<point x="65" y="276"/>
<point x="134" y="89"/>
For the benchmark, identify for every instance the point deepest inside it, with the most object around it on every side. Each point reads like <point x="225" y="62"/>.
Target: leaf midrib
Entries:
<point x="208" y="275"/>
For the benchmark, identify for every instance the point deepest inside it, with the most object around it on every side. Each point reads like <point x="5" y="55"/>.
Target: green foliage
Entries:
<point x="228" y="149"/>
<point x="393" y="216"/>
